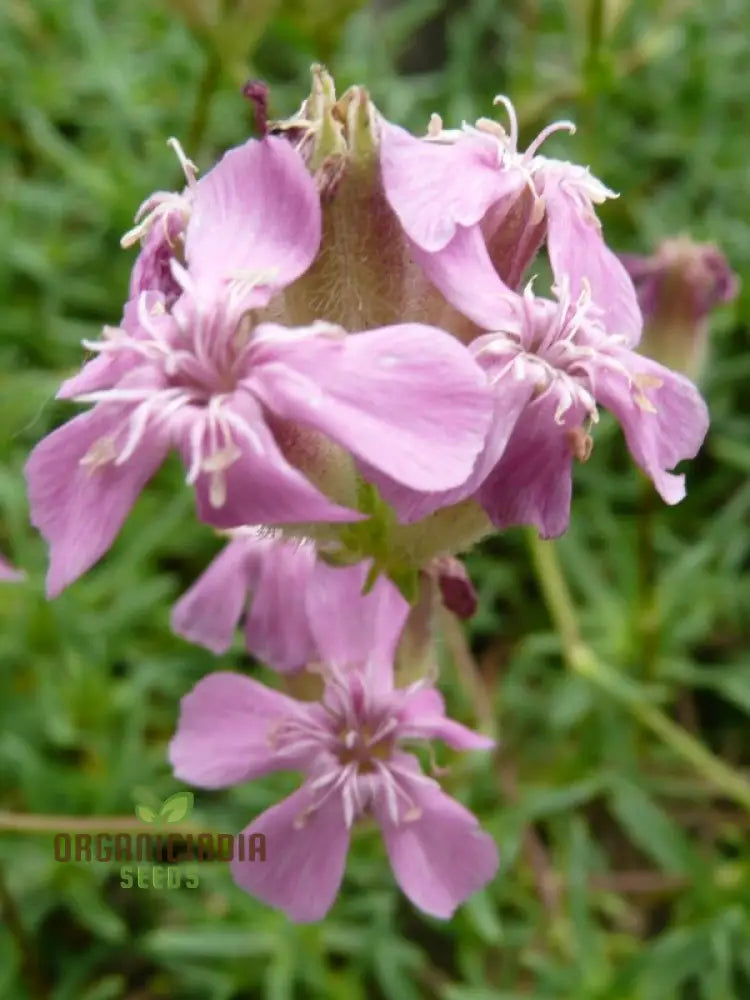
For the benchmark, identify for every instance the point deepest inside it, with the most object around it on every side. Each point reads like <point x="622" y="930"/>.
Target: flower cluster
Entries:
<point x="332" y="330"/>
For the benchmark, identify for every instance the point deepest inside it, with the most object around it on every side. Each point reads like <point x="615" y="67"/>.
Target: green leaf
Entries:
<point x="209" y="941"/>
<point x="650" y="828"/>
<point x="177" y="807"/>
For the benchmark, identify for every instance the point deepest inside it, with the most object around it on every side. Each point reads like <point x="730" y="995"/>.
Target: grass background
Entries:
<point x="626" y="867"/>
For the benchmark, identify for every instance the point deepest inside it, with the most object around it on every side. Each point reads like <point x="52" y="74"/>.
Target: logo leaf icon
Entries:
<point x="176" y="807"/>
<point x="145" y="813"/>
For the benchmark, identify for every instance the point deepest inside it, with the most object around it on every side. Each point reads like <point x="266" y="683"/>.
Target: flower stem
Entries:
<point x="582" y="660"/>
<point x="36" y="823"/>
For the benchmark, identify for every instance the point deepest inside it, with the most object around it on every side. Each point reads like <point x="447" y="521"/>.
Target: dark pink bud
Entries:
<point x="456" y="588"/>
<point x="257" y="93"/>
<point x="678" y="287"/>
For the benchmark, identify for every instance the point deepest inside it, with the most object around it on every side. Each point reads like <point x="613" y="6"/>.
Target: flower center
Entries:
<point x="191" y="366"/>
<point x="351" y="746"/>
<point x="366" y="744"/>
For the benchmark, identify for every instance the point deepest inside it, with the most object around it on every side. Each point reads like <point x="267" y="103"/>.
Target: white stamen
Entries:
<point x="508" y="105"/>
<point x="189" y="169"/>
<point x="435" y="127"/>
<point x="561" y="126"/>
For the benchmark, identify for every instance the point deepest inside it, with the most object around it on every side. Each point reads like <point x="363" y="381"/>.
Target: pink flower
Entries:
<point x="454" y="180"/>
<point x="161" y="222"/>
<point x="269" y="579"/>
<point x="550" y="365"/>
<point x="266" y="579"/>
<point x="350" y="748"/>
<point x="199" y="376"/>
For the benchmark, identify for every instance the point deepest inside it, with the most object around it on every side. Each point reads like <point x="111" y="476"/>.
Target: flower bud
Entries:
<point x="443" y="580"/>
<point x="364" y="276"/>
<point x="456" y="589"/>
<point x="416" y="653"/>
<point x="677" y="288"/>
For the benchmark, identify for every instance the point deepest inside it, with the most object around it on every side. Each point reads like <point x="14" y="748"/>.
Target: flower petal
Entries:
<point x="465" y="275"/>
<point x="433" y="187"/>
<point x="209" y="612"/>
<point x="78" y="509"/>
<point x="577" y="251"/>
<point x="305" y="865"/>
<point x="414" y="505"/>
<point x="261" y="486"/>
<point x="423" y="717"/>
<point x="514" y="232"/>
<point x="152" y="269"/>
<point x="224" y="730"/>
<point x="277" y="629"/>
<point x="531" y="484"/>
<point x="352" y="629"/>
<point x="663" y="423"/>
<point x="408" y="400"/>
<point x="107" y="368"/>
<point x="441" y="858"/>
<point x="256" y="213"/>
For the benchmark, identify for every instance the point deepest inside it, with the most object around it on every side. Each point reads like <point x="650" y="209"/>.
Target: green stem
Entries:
<point x="582" y="659"/>
<point x="554" y="590"/>
<point x="36" y="823"/>
<point x="647" y="611"/>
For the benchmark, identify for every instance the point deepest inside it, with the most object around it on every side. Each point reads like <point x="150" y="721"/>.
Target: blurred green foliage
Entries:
<point x="626" y="874"/>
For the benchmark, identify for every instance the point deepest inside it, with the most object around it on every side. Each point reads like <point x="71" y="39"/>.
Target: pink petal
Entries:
<point x="304" y="865"/>
<point x="262" y="487"/>
<point x="224" y="731"/>
<point x="531" y="484"/>
<point x="441" y="858"/>
<point x="152" y="269"/>
<point x="577" y="251"/>
<point x="433" y="188"/>
<point x="465" y="275"/>
<point x="669" y="425"/>
<point x="9" y="574"/>
<point x="423" y="716"/>
<point x="413" y="505"/>
<point x="107" y="368"/>
<point x="79" y="512"/>
<point x="256" y="211"/>
<point x="355" y="630"/>
<point x="101" y="372"/>
<point x="277" y="628"/>
<point x="209" y="612"/>
<point x="514" y="233"/>
<point x="408" y="400"/>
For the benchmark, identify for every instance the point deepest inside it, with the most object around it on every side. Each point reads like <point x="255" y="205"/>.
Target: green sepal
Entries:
<point x="329" y="138"/>
<point x="406" y="579"/>
<point x="372" y="579"/>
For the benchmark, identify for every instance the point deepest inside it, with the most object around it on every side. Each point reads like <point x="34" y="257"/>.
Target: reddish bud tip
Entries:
<point x="456" y="589"/>
<point x="257" y="93"/>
